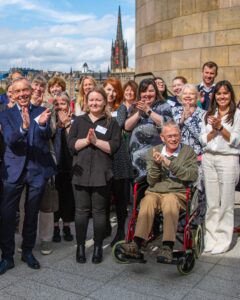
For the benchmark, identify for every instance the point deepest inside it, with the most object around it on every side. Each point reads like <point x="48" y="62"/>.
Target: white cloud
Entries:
<point x="75" y="39"/>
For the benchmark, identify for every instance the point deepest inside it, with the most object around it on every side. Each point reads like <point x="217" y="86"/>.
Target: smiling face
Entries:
<point x="22" y="92"/>
<point x="129" y="95"/>
<point x="61" y="104"/>
<point x="171" y="137"/>
<point x="223" y="97"/>
<point x="149" y="96"/>
<point x="55" y="90"/>
<point x="160" y="85"/>
<point x="208" y="75"/>
<point x="189" y="97"/>
<point x="177" y="86"/>
<point x="38" y="89"/>
<point x="111" y="94"/>
<point x="87" y="86"/>
<point x="96" y="103"/>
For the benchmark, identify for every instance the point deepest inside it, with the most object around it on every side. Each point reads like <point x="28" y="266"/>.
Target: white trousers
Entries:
<point x="221" y="174"/>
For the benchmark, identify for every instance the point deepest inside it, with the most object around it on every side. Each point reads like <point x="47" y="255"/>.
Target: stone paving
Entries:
<point x="60" y="277"/>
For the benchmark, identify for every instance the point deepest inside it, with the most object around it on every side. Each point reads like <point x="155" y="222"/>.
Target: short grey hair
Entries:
<point x="40" y="79"/>
<point x="191" y="87"/>
<point x="170" y="124"/>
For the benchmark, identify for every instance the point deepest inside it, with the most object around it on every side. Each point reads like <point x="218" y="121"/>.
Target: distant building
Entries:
<point x="119" y="53"/>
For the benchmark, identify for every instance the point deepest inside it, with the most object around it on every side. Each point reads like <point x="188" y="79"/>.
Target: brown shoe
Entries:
<point x="131" y="250"/>
<point x="165" y="255"/>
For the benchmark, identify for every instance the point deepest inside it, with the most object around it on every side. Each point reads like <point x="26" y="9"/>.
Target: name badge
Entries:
<point x="114" y="114"/>
<point x="101" y="129"/>
<point x="172" y="103"/>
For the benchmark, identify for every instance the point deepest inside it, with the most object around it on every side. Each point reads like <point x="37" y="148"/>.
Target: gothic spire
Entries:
<point x="119" y="26"/>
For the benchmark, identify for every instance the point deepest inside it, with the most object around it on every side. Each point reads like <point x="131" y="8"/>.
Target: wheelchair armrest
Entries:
<point x="141" y="179"/>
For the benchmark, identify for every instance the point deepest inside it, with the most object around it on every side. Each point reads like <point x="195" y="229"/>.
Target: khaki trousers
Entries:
<point x="169" y="204"/>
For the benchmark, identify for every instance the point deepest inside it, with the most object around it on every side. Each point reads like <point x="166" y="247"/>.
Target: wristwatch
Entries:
<point x="149" y="112"/>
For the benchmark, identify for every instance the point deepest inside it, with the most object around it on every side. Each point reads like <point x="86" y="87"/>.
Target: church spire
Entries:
<point x="119" y="26"/>
<point x="119" y="51"/>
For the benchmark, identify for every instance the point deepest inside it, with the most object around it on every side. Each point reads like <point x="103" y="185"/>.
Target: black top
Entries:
<point x="92" y="166"/>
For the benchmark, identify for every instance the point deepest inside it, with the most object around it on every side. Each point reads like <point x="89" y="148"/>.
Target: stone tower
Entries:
<point x="175" y="37"/>
<point x="119" y="53"/>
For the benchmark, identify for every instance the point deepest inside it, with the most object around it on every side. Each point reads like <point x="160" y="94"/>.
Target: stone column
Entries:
<point x="175" y="37"/>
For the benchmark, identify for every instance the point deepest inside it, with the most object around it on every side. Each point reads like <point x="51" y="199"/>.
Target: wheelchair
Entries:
<point x="189" y="232"/>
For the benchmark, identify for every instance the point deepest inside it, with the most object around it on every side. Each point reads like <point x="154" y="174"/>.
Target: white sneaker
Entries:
<point x="219" y="249"/>
<point x="45" y="248"/>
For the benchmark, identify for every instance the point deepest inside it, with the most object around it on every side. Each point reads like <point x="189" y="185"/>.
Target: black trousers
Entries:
<point x="64" y="187"/>
<point x="91" y="200"/>
<point x="9" y="205"/>
<point x="120" y="193"/>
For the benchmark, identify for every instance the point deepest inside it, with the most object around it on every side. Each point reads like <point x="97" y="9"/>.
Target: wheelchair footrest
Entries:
<point x="178" y="258"/>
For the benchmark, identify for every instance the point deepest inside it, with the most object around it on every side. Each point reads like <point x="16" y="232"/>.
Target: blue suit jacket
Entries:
<point x="26" y="150"/>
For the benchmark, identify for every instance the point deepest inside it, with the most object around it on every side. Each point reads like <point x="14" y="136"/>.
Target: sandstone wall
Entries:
<point x="175" y="37"/>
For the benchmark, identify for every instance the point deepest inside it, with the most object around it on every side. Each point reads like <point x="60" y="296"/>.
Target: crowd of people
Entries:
<point x="67" y="161"/>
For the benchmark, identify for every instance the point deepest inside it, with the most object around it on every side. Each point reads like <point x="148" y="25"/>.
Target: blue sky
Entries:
<point x="58" y="35"/>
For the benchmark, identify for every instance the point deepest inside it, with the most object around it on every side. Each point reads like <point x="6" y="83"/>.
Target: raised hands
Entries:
<point x="215" y="122"/>
<point x="159" y="158"/>
<point x="44" y="117"/>
<point x="25" y="117"/>
<point x="142" y="106"/>
<point x="64" y="118"/>
<point x="91" y="137"/>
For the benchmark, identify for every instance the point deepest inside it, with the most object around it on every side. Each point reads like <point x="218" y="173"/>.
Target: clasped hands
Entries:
<point x="215" y="122"/>
<point x="159" y="158"/>
<point x="91" y="137"/>
<point x="41" y="121"/>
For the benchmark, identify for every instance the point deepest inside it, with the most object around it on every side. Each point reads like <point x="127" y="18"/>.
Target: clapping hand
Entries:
<point x="159" y="158"/>
<point x="142" y="106"/>
<point x="25" y="117"/>
<point x="215" y="122"/>
<point x="44" y="117"/>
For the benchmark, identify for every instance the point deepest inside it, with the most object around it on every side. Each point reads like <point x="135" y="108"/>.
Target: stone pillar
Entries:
<point x="175" y="37"/>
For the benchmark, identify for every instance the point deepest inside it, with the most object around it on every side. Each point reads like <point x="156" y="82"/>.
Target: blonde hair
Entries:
<point x="80" y="97"/>
<point x="192" y="88"/>
<point x="102" y="92"/>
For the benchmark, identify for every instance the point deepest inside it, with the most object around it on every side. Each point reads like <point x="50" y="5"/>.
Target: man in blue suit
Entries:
<point x="27" y="162"/>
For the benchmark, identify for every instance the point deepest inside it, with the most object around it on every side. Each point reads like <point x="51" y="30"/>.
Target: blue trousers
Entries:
<point x="9" y="205"/>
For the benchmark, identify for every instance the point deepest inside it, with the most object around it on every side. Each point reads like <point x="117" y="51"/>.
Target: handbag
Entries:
<point x="50" y="202"/>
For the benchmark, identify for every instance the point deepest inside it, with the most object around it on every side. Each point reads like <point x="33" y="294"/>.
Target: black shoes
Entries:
<point x="97" y="255"/>
<point x="6" y="265"/>
<point x="80" y="255"/>
<point x="67" y="234"/>
<point x="31" y="261"/>
<point x="120" y="235"/>
<point x="56" y="235"/>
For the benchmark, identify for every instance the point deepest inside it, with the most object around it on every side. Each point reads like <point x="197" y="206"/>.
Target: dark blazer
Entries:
<point x="26" y="150"/>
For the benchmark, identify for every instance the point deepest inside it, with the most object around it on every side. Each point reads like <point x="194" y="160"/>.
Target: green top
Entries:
<point x="182" y="170"/>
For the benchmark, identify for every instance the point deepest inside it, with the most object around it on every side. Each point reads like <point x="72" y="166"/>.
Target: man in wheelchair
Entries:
<point x="170" y="167"/>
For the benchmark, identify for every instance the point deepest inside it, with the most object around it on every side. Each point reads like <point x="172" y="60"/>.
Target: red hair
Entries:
<point x="116" y="83"/>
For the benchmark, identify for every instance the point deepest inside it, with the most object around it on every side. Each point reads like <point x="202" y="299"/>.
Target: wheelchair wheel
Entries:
<point x="188" y="264"/>
<point x="118" y="254"/>
<point x="198" y="240"/>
